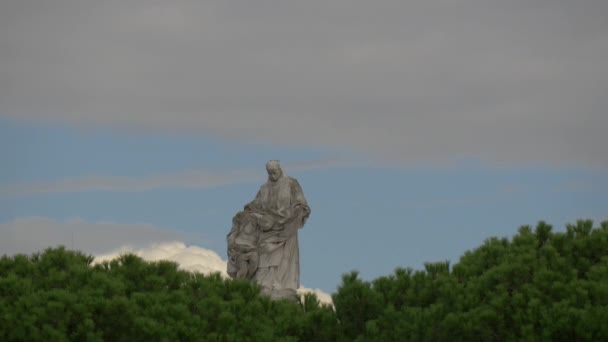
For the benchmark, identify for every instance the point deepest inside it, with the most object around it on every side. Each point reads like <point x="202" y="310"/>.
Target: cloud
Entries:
<point x="33" y="234"/>
<point x="190" y="258"/>
<point x="400" y="81"/>
<point x="193" y="179"/>
<point x="323" y="297"/>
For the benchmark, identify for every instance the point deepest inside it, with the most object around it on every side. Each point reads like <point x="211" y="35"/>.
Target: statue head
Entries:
<point x="273" y="168"/>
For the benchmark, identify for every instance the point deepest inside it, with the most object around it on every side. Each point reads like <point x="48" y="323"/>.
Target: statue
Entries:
<point x="263" y="241"/>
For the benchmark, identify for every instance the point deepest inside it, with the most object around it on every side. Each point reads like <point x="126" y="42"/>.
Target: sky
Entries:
<point x="417" y="129"/>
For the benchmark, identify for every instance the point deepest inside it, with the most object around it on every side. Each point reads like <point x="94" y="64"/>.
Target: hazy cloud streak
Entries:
<point x="34" y="234"/>
<point x="195" y="179"/>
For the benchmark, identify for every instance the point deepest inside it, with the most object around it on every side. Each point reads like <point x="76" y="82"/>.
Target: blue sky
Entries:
<point x="365" y="217"/>
<point x="417" y="129"/>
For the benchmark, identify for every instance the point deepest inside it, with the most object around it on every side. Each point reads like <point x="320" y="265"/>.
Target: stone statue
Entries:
<point x="263" y="241"/>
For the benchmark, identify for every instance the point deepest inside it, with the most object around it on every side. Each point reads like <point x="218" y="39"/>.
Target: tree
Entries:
<point x="539" y="284"/>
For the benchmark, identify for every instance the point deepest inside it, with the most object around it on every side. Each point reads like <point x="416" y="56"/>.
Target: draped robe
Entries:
<point x="279" y="210"/>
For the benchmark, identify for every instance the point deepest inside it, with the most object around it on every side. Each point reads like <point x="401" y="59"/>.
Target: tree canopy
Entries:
<point x="538" y="285"/>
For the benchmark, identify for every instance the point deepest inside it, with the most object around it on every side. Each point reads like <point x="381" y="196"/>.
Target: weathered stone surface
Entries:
<point x="263" y="241"/>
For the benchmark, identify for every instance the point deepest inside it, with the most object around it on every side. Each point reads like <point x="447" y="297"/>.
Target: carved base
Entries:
<point x="281" y="294"/>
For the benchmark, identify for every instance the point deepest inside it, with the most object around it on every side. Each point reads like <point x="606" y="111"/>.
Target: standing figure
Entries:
<point x="274" y="217"/>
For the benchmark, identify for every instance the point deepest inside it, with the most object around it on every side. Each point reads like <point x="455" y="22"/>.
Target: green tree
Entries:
<point x="538" y="285"/>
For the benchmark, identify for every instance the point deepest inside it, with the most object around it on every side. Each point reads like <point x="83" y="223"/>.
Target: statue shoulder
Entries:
<point x="294" y="185"/>
<point x="292" y="181"/>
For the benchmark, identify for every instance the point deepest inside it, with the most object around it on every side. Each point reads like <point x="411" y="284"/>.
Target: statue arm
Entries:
<point x="298" y="199"/>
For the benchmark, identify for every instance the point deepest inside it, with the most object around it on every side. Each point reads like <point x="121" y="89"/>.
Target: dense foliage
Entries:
<point x="539" y="285"/>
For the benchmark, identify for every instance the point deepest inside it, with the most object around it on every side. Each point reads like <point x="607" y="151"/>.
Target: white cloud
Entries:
<point x="34" y="234"/>
<point x="323" y="297"/>
<point x="403" y="81"/>
<point x="190" y="258"/>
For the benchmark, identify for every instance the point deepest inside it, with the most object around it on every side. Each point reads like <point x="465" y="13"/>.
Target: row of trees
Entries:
<point x="539" y="285"/>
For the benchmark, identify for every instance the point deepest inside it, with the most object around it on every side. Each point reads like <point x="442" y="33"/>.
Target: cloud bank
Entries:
<point x="404" y="81"/>
<point x="190" y="258"/>
<point x="108" y="240"/>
